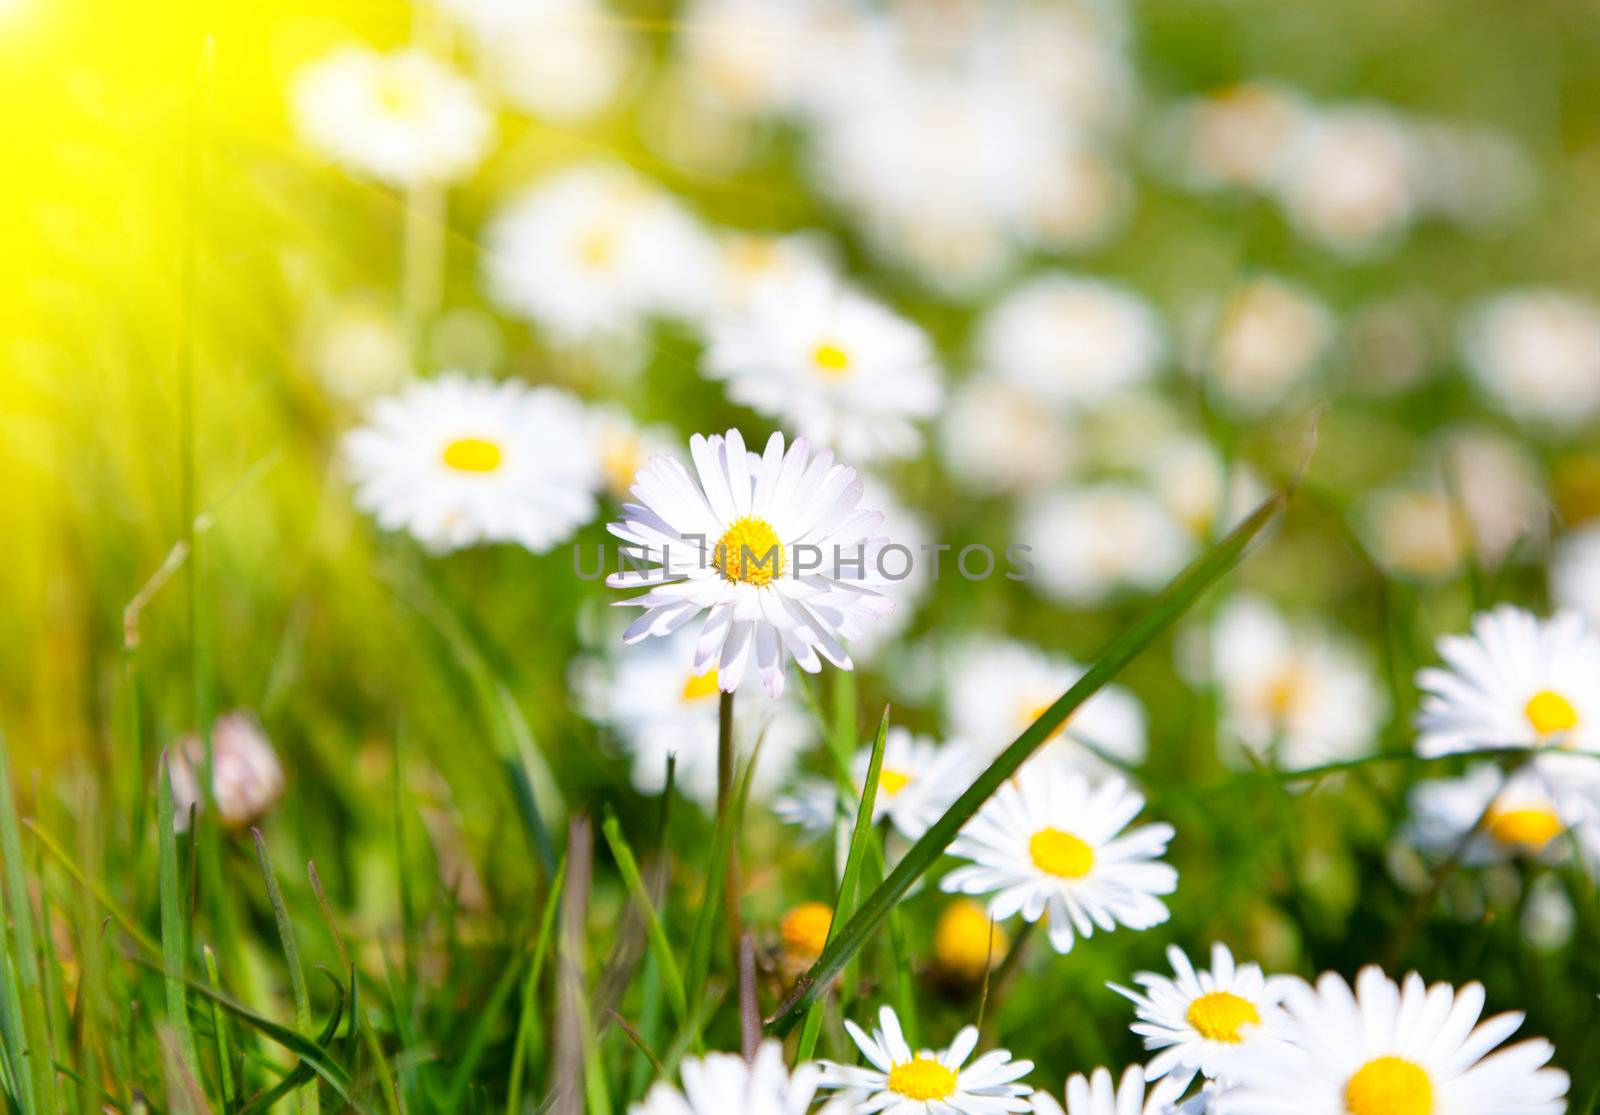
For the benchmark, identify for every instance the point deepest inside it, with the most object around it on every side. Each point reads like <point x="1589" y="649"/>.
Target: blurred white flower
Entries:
<point x="1525" y="814"/>
<point x="1575" y="572"/>
<point x="246" y="776"/>
<point x="356" y="348"/>
<point x="1269" y="338"/>
<point x="1413" y="531"/>
<point x="1092" y="542"/>
<point x="751" y="262"/>
<point x="1548" y="918"/>
<point x="402" y="118"/>
<point x="1071" y="341"/>
<point x="1240" y="136"/>
<point x="762" y="56"/>
<point x="1297" y="695"/>
<point x="769" y="547"/>
<point x="997" y="438"/>
<point x="903" y="553"/>
<point x="995" y="688"/>
<point x="1351" y="179"/>
<point x="623" y="446"/>
<point x="1188" y="475"/>
<point x="723" y="1083"/>
<point x="1537" y="353"/>
<point x="839" y="368"/>
<point x="1474" y="176"/>
<point x="595" y="251"/>
<point x="1051" y="845"/>
<point x="657" y="705"/>
<point x="458" y="461"/>
<point x="563" y="60"/>
<point x="1096" y="1095"/>
<point x="928" y="1082"/>
<point x="919" y="780"/>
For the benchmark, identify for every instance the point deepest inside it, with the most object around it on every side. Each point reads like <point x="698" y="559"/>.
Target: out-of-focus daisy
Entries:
<point x="722" y="1083"/>
<point x="1521" y="815"/>
<point x="1095" y="1095"/>
<point x="659" y="704"/>
<point x="918" y="782"/>
<point x="1395" y="1050"/>
<point x="559" y="59"/>
<point x="1091" y="542"/>
<point x="595" y="251"/>
<point x="402" y="118"/>
<point x="1414" y="530"/>
<point x="1351" y="181"/>
<point x="927" y="1082"/>
<point x="995" y="688"/>
<point x="1299" y="695"/>
<point x="1240" y="136"/>
<point x="755" y="56"/>
<point x="246" y="776"/>
<point x="967" y="943"/>
<point x="1069" y="340"/>
<point x="357" y="348"/>
<point x="899" y="568"/>
<point x="750" y="262"/>
<point x="768" y="546"/>
<point x="1269" y="339"/>
<point x="1200" y="1020"/>
<point x="1537" y="353"/>
<point x="624" y="446"/>
<point x="832" y="364"/>
<point x="996" y="437"/>
<point x="1052" y="844"/>
<point x="1516" y="681"/>
<point x="1199" y="490"/>
<point x="1575" y="572"/>
<point x="458" y="461"/>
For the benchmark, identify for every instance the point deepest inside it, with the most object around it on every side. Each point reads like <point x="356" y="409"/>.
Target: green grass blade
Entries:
<point x="219" y="1031"/>
<point x="653" y="928"/>
<point x="174" y="947"/>
<point x="309" y="1100"/>
<point x="1172" y="603"/>
<point x="23" y="1029"/>
<point x="530" y="986"/>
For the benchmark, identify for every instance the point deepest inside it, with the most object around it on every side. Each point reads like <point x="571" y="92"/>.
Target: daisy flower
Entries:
<point x="1389" y="1049"/>
<point x="1200" y="1020"/>
<point x="1522" y="815"/>
<point x="1295" y="694"/>
<point x="594" y="252"/>
<point x="1239" y="137"/>
<point x="1351" y="182"/>
<point x="1091" y="542"/>
<point x="658" y="704"/>
<point x="562" y="60"/>
<point x="927" y="1082"/>
<point x="1537" y="353"/>
<point x="1051" y="843"/>
<point x="1270" y="337"/>
<point x="995" y="688"/>
<point x="246" y="775"/>
<point x="773" y="549"/>
<point x="919" y="780"/>
<point x="997" y="438"/>
<point x="624" y="446"/>
<point x="1071" y="341"/>
<point x="1575" y="572"/>
<point x="1516" y="681"/>
<point x="1095" y="1095"/>
<point x="458" y="461"/>
<point x="402" y="118"/>
<point x="721" y="1083"/>
<point x="834" y="365"/>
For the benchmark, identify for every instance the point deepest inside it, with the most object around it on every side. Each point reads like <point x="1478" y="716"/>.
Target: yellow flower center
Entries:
<point x="961" y="942"/>
<point x="398" y="94"/>
<point x="750" y="552"/>
<point x="831" y="360"/>
<point x="751" y="255"/>
<point x="472" y="454"/>
<point x="891" y="782"/>
<point x="1285" y="691"/>
<point x="1221" y="1015"/>
<point x="701" y="685"/>
<point x="805" y="929"/>
<point x="599" y="246"/>
<point x="1530" y="828"/>
<point x="619" y="461"/>
<point x="922" y="1079"/>
<point x="1549" y="712"/>
<point x="1060" y="854"/>
<point x="1389" y="1086"/>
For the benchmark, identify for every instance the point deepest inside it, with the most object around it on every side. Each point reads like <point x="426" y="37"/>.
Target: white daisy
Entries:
<point x="357" y="348"/>
<point x="624" y="446"/>
<point x="750" y="262"/>
<point x="1271" y="336"/>
<point x="1070" y="340"/>
<point x="1516" y="681"/>
<point x="920" y="779"/>
<point x="1575" y="572"/>
<point x="770" y="547"/>
<point x="1524" y="814"/>
<point x="928" y="1082"/>
<point x="658" y="705"/>
<point x="595" y="251"/>
<point x="1049" y="843"/>
<point x="839" y="368"/>
<point x="1092" y="542"/>
<point x="1352" y="179"/>
<point x="1201" y="1020"/>
<point x="402" y="118"/>
<point x="995" y="688"/>
<point x="1389" y="1049"/>
<point x="1537" y="353"/>
<point x="723" y="1083"/>
<point x="997" y="438"/>
<point x="459" y="461"/>
<point x="246" y="775"/>
<point x="1240" y="136"/>
<point x="1095" y="1095"/>
<point x="560" y="59"/>
<point x="1298" y="695"/>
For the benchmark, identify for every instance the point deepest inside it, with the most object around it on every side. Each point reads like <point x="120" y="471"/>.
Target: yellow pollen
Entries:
<point x="1549" y="712"/>
<point x="891" y="782"/>
<point x="701" y="685"/>
<point x="922" y="1079"/>
<point x="1525" y="828"/>
<point x="472" y="454"/>
<point x="1389" y="1086"/>
<point x="1222" y="1015"/>
<point x="961" y="943"/>
<point x="599" y="247"/>
<point x="749" y="552"/>
<point x="831" y="360"/>
<point x="805" y="929"/>
<point x="1060" y="854"/>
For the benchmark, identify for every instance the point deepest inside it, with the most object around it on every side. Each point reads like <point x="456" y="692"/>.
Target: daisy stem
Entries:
<point x="725" y="771"/>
